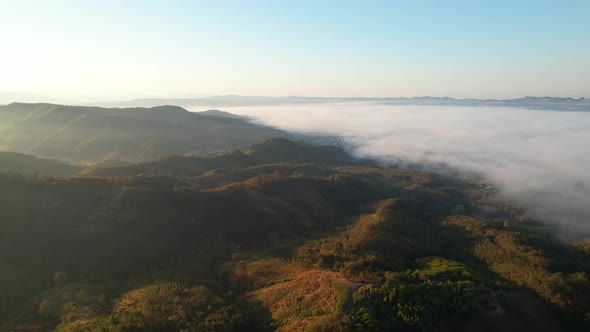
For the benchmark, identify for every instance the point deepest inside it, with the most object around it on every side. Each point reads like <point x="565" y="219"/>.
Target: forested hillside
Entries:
<point x="92" y="134"/>
<point x="26" y="164"/>
<point x="283" y="236"/>
<point x="271" y="151"/>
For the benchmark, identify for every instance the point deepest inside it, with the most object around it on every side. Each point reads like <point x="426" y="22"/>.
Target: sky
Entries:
<point x="110" y="50"/>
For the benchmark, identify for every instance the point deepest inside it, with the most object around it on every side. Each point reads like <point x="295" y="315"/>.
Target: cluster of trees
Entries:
<point x="169" y="306"/>
<point x="385" y="240"/>
<point x="413" y="306"/>
<point x="390" y="247"/>
<point x="555" y="271"/>
<point x="176" y="307"/>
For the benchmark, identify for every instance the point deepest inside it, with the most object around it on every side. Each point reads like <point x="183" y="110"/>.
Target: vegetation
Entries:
<point x="93" y="134"/>
<point x="277" y="236"/>
<point x="16" y="162"/>
<point x="271" y="151"/>
<point x="413" y="306"/>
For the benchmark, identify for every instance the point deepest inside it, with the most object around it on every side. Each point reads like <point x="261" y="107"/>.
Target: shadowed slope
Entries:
<point x="88" y="134"/>
<point x="25" y="164"/>
<point x="271" y="151"/>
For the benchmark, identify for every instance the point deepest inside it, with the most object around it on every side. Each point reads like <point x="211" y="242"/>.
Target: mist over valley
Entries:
<point x="536" y="157"/>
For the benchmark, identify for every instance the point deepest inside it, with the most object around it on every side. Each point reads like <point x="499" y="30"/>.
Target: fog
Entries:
<point x="538" y="158"/>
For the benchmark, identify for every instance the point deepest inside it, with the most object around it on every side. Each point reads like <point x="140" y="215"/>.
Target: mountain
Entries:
<point x="279" y="235"/>
<point x="25" y="164"/>
<point x="219" y="113"/>
<point x="93" y="134"/>
<point x="541" y="103"/>
<point x="7" y="97"/>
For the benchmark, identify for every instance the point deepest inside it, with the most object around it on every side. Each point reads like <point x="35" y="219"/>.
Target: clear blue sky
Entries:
<point x="120" y="49"/>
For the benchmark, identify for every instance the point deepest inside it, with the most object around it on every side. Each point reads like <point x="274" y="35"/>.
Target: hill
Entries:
<point x="25" y="164"/>
<point x="219" y="113"/>
<point x="282" y="236"/>
<point x="271" y="151"/>
<point x="91" y="134"/>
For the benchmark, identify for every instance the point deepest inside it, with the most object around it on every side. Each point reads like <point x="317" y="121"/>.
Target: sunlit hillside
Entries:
<point x="252" y="239"/>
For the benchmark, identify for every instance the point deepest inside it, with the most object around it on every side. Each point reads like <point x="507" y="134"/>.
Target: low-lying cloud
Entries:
<point x="539" y="158"/>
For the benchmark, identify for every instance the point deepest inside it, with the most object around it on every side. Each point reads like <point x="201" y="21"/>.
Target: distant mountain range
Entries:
<point x="545" y="103"/>
<point x="7" y="97"/>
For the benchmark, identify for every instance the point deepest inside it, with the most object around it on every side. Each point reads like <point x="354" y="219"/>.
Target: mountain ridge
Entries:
<point x="541" y="102"/>
<point x="275" y="150"/>
<point x="90" y="133"/>
<point x="27" y="164"/>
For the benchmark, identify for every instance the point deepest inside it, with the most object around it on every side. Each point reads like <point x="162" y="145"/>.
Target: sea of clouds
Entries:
<point x="540" y="159"/>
